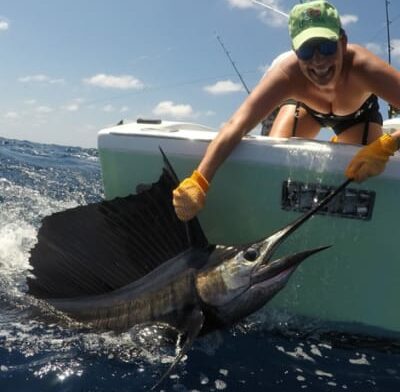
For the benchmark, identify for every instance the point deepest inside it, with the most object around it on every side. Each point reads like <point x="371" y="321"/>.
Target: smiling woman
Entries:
<point x="325" y="59"/>
<point x="320" y="84"/>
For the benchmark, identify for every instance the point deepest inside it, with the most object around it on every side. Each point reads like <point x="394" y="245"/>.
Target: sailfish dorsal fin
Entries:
<point x="100" y="247"/>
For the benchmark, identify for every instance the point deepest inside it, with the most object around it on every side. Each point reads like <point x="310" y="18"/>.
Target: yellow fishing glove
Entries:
<point x="371" y="160"/>
<point x="190" y="196"/>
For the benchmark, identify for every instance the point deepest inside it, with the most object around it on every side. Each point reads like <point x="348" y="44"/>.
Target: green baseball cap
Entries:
<point x="313" y="19"/>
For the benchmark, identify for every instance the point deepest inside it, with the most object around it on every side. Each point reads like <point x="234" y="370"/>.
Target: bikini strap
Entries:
<point x="365" y="133"/>
<point x="296" y="118"/>
<point x="368" y="106"/>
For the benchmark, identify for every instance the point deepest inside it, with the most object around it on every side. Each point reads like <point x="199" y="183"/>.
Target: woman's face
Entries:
<point x="320" y="65"/>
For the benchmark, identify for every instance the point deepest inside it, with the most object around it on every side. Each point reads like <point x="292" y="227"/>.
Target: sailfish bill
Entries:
<point x="130" y="261"/>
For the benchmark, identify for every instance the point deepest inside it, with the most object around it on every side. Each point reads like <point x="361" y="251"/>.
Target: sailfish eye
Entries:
<point x="251" y="254"/>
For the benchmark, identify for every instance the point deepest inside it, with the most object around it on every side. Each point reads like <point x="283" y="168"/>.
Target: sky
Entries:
<point x="70" y="68"/>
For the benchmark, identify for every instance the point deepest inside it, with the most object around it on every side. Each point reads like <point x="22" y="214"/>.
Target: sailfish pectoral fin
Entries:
<point x="193" y="326"/>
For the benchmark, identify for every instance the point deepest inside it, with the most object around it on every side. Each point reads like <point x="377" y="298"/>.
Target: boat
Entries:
<point x="264" y="184"/>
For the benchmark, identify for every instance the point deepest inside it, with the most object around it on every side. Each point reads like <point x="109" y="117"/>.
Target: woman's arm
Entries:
<point x="189" y="197"/>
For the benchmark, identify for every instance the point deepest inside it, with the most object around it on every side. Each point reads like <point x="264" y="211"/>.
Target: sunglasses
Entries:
<point x="325" y="47"/>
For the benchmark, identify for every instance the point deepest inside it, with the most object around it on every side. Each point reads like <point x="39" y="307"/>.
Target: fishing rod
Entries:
<point x="227" y="52"/>
<point x="233" y="63"/>
<point x="264" y="123"/>
<point x="388" y="32"/>
<point x="392" y="110"/>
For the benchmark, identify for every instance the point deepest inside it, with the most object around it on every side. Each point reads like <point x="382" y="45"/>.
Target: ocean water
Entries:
<point x="264" y="353"/>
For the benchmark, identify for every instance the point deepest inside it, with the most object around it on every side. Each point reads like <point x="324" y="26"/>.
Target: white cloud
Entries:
<point x="374" y="48"/>
<point x="44" y="109"/>
<point x="123" y="82"/>
<point x="266" y="15"/>
<point x="124" y="109"/>
<point x="273" y="19"/>
<point x="263" y="68"/>
<point x="169" y="108"/>
<point x="11" y="115"/>
<point x="273" y="14"/>
<point x="73" y="107"/>
<point x="30" y="101"/>
<point x="382" y="51"/>
<point x="56" y="81"/>
<point x="224" y="87"/>
<point x="241" y="3"/>
<point x="40" y="78"/>
<point x="108" y="108"/>
<point x="4" y="24"/>
<point x="395" y="52"/>
<point x="33" y="78"/>
<point x="348" y="19"/>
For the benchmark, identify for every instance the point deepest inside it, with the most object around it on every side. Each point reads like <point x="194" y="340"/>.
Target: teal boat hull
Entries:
<point x="356" y="283"/>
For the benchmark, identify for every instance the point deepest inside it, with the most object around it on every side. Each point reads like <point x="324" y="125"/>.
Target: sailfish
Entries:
<point x="130" y="261"/>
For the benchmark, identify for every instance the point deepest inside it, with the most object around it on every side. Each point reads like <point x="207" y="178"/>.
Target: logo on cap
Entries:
<point x="313" y="13"/>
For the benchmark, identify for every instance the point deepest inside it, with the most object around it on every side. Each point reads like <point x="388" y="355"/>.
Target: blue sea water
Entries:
<point x="264" y="353"/>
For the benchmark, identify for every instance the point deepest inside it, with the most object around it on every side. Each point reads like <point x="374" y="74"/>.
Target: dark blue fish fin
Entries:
<point x="194" y="324"/>
<point x="169" y="168"/>
<point x="101" y="247"/>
